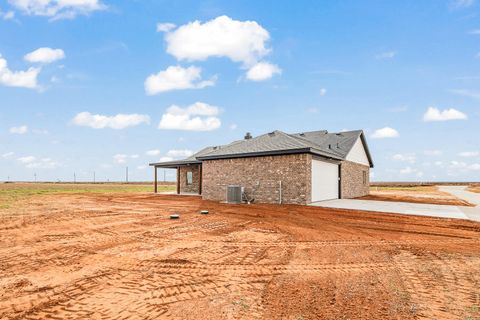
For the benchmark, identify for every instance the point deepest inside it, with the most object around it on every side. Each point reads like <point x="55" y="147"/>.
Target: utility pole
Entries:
<point x="93" y="176"/>
<point x="35" y="175"/>
<point x="126" y="174"/>
<point x="74" y="178"/>
<point x="164" y="175"/>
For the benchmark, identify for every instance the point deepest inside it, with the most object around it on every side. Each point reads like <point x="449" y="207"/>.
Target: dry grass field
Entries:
<point x="113" y="253"/>
<point x="474" y="188"/>
<point x="415" y="194"/>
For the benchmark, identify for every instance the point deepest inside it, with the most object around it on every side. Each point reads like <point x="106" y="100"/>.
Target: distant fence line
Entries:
<point x="420" y="183"/>
<point x="97" y="182"/>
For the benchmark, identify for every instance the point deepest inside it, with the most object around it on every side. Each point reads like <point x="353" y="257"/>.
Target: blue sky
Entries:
<point x="99" y="85"/>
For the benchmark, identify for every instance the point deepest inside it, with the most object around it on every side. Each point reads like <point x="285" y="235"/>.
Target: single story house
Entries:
<point x="278" y="167"/>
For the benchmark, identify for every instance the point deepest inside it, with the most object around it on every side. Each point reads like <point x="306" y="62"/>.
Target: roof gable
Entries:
<point x="358" y="154"/>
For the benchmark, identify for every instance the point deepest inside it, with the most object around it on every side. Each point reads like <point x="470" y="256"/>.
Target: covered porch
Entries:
<point x="188" y="173"/>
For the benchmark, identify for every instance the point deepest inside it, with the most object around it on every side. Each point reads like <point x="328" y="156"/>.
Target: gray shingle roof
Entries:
<point x="329" y="145"/>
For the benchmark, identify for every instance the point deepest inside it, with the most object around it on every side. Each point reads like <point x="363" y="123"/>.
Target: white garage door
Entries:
<point x="324" y="180"/>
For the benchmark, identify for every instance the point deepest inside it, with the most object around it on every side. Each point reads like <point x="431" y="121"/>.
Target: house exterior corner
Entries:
<point x="354" y="180"/>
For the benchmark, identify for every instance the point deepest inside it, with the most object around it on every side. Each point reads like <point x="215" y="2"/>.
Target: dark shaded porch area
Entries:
<point x="189" y="176"/>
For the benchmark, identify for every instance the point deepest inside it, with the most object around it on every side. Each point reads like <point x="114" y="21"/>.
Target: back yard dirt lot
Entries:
<point x="112" y="254"/>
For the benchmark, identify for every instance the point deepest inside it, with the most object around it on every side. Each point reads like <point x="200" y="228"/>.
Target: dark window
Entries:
<point x="364" y="178"/>
<point x="189" y="177"/>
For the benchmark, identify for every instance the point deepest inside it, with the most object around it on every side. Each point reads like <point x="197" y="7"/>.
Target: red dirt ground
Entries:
<point x="415" y="194"/>
<point x="118" y="256"/>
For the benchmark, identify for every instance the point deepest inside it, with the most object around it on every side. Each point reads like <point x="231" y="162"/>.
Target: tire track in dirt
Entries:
<point x="315" y="244"/>
<point x="438" y="285"/>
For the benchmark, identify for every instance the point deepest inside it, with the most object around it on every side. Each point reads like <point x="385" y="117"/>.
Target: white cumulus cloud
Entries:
<point x="435" y="114"/>
<point x="18" y="130"/>
<point x="432" y="152"/>
<point x="119" y="121"/>
<point x="474" y="94"/>
<point x="240" y="41"/>
<point x="154" y="152"/>
<point x="57" y="9"/>
<point x="9" y="15"/>
<point x="165" y="26"/>
<point x="176" y="78"/>
<point x="243" y="42"/>
<point x="165" y="159"/>
<point x="196" y="117"/>
<point x="23" y="79"/>
<point x="26" y="159"/>
<point x="459" y="4"/>
<point x="7" y="154"/>
<point x="45" y="55"/>
<point x="475" y="166"/>
<point x="386" y="55"/>
<point x="262" y="71"/>
<point x="469" y="154"/>
<point x="179" y="153"/>
<point x="386" y="132"/>
<point x="32" y="162"/>
<point x="406" y="157"/>
<point x="123" y="158"/>
<point x="410" y="171"/>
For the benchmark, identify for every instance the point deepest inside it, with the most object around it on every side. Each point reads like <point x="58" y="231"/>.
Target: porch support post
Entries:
<point x="178" y="180"/>
<point x="200" y="179"/>
<point x="155" y="184"/>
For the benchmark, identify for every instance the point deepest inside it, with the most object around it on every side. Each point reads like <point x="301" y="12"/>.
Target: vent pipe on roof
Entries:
<point x="248" y="136"/>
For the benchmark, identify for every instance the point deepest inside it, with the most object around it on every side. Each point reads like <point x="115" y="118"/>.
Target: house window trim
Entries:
<point x="189" y="181"/>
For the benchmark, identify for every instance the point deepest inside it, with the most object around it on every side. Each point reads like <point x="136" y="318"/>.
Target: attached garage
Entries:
<point x="324" y="180"/>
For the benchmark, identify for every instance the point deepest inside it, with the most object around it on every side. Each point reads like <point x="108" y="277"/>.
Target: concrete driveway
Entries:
<point x="430" y="210"/>
<point x="462" y="193"/>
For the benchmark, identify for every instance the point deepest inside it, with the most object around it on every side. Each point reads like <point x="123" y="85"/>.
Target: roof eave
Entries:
<point x="272" y="153"/>
<point x="173" y="164"/>
<point x="325" y="154"/>
<point x="365" y="145"/>
<point x="255" y="154"/>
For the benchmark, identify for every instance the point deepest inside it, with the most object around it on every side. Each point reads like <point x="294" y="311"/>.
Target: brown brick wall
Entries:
<point x="352" y="185"/>
<point x="261" y="174"/>
<point x="195" y="186"/>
